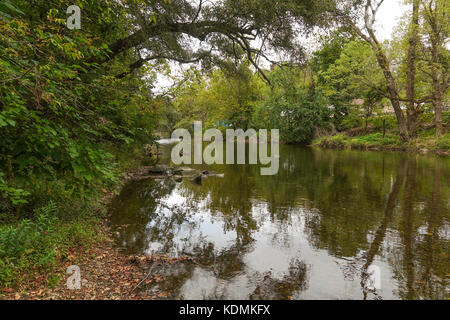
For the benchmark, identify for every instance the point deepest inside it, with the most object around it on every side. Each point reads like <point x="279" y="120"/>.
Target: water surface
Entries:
<point x="311" y="232"/>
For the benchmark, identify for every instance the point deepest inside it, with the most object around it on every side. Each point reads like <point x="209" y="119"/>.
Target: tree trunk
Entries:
<point x="412" y="110"/>
<point x="437" y="100"/>
<point x="393" y="92"/>
<point x="384" y="64"/>
<point x="437" y="89"/>
<point x="447" y="128"/>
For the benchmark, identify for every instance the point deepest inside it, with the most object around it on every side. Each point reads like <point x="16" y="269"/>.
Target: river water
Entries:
<point x="330" y="225"/>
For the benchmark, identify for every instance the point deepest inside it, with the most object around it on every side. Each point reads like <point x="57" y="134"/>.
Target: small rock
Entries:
<point x="186" y="169"/>
<point x="197" y="180"/>
<point x="157" y="169"/>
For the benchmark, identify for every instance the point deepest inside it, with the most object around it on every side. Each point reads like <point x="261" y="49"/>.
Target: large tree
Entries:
<point x="369" y="9"/>
<point x="435" y="29"/>
<point x="187" y="31"/>
<point x="436" y="32"/>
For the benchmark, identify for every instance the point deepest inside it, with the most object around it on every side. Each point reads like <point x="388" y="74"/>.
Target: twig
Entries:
<point x="146" y="277"/>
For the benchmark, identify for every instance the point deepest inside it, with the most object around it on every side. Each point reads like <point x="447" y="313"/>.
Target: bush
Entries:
<point x="295" y="120"/>
<point x="351" y="121"/>
<point x="377" y="122"/>
<point x="443" y="142"/>
<point x="29" y="241"/>
<point x="338" y="141"/>
<point x="38" y="244"/>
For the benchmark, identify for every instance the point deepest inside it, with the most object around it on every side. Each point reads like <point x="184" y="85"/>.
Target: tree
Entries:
<point x="321" y="61"/>
<point x="413" y="109"/>
<point x="354" y="75"/>
<point x="436" y="31"/>
<point x="178" y="29"/>
<point x="293" y="105"/>
<point x="367" y="33"/>
<point x="222" y="97"/>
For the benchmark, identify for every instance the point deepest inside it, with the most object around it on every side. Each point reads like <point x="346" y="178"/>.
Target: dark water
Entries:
<point x="314" y="231"/>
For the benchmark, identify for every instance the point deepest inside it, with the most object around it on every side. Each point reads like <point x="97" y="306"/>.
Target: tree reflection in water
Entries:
<point x="312" y="231"/>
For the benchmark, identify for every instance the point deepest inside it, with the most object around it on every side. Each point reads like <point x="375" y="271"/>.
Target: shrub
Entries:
<point x="351" y="121"/>
<point x="444" y="142"/>
<point x="26" y="242"/>
<point x="337" y="141"/>
<point x="377" y="122"/>
<point x="38" y="244"/>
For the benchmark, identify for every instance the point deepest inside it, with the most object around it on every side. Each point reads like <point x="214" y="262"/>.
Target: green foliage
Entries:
<point x="65" y="122"/>
<point x="353" y="120"/>
<point x="224" y="98"/>
<point x="16" y="196"/>
<point x="376" y="141"/>
<point x="25" y="242"/>
<point x="377" y="122"/>
<point x="58" y="112"/>
<point x="296" y="121"/>
<point x="293" y="106"/>
<point x="444" y="142"/>
<point x="353" y="76"/>
<point x="38" y="244"/>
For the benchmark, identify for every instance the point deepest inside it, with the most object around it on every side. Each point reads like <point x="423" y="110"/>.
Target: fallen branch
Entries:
<point x="145" y="278"/>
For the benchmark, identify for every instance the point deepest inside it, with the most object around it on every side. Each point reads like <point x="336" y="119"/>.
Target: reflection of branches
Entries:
<point x="408" y="257"/>
<point x="434" y="221"/>
<point x="224" y="264"/>
<point x="271" y="288"/>
<point x="366" y="259"/>
<point x="421" y="258"/>
<point x="135" y="208"/>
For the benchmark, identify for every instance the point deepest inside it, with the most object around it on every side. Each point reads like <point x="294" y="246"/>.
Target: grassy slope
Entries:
<point x="423" y="143"/>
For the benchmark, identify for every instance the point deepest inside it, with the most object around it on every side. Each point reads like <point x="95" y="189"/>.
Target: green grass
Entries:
<point x="424" y="141"/>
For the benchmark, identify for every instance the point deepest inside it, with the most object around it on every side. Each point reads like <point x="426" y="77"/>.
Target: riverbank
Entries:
<point x="390" y="142"/>
<point x="106" y="273"/>
<point x="37" y="249"/>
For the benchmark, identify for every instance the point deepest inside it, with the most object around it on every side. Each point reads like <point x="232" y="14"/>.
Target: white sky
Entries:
<point x="388" y="18"/>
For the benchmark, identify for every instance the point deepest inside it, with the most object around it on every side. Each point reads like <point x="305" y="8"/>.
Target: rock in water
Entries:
<point x="186" y="169"/>
<point x="197" y="180"/>
<point x="160" y="169"/>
